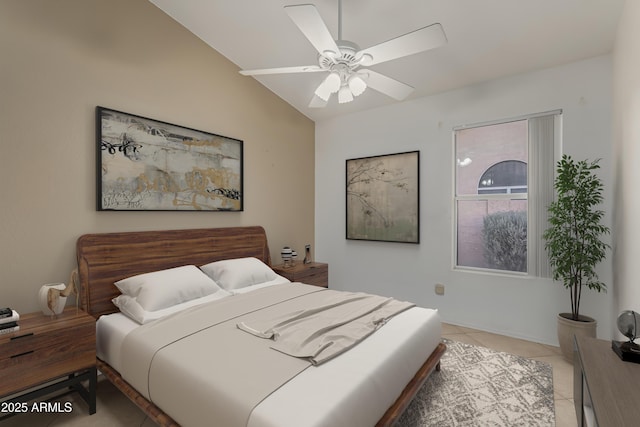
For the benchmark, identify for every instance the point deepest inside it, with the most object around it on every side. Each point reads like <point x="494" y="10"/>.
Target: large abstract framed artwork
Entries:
<point x="145" y="164"/>
<point x="383" y="198"/>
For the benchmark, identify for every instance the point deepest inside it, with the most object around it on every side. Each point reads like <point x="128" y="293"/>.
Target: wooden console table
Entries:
<point x="606" y="389"/>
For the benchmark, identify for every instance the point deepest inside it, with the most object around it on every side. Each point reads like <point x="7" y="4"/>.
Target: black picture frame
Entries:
<point x="144" y="164"/>
<point x="383" y="198"/>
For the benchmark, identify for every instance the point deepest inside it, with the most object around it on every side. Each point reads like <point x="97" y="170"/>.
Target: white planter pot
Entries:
<point x="568" y="328"/>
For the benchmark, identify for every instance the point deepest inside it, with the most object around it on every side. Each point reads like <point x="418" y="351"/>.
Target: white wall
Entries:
<point x="626" y="107"/>
<point x="515" y="306"/>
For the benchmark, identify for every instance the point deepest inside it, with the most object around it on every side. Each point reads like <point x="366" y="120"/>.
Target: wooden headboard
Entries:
<point x="108" y="257"/>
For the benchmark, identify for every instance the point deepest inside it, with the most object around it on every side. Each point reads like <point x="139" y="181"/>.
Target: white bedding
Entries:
<point x="353" y="389"/>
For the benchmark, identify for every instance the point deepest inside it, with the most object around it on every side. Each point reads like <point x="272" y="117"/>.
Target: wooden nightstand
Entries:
<point x="59" y="351"/>
<point x="315" y="273"/>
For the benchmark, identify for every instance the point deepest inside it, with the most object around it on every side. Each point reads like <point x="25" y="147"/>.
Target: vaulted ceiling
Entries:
<point x="486" y="39"/>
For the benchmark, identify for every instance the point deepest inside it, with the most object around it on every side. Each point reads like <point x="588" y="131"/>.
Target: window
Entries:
<point x="503" y="183"/>
<point x="506" y="177"/>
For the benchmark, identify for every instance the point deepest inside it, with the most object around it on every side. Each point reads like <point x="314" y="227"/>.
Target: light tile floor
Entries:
<point x="115" y="410"/>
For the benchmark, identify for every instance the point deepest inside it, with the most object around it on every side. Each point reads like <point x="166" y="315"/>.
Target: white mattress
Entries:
<point x="354" y="389"/>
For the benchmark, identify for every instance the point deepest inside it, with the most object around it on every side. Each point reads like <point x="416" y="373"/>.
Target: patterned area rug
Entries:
<point x="477" y="386"/>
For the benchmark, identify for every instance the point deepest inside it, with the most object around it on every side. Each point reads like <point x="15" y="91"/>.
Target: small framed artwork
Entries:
<point x="149" y="165"/>
<point x="383" y="198"/>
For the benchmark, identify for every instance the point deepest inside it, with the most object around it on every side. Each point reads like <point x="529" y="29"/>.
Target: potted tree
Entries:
<point x="573" y="242"/>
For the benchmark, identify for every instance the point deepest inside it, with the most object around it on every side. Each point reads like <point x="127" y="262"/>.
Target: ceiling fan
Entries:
<point x="343" y="60"/>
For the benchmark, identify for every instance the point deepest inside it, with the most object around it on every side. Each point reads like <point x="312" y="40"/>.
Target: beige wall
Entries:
<point x="58" y="61"/>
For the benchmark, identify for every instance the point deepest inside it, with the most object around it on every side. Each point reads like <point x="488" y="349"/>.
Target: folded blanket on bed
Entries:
<point x="334" y="323"/>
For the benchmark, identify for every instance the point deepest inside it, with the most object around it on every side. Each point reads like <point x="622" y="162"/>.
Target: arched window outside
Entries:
<point x="506" y="177"/>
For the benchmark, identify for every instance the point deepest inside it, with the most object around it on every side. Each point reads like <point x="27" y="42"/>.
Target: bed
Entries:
<point x="370" y="384"/>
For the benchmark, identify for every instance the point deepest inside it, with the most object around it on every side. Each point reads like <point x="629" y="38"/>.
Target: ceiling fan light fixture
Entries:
<point x="345" y="95"/>
<point x="342" y="58"/>
<point x="322" y="92"/>
<point x="357" y="85"/>
<point x="331" y="84"/>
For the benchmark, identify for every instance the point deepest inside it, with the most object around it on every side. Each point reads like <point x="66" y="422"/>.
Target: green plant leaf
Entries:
<point x="573" y="239"/>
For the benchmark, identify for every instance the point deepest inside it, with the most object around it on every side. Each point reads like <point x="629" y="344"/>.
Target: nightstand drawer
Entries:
<point x="315" y="273"/>
<point x="318" y="276"/>
<point x="30" y="370"/>
<point x="46" y="348"/>
<point x="46" y="344"/>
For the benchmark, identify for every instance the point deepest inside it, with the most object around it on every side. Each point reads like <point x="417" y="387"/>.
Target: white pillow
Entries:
<point x="279" y="280"/>
<point x="165" y="288"/>
<point x="130" y="307"/>
<point x="239" y="272"/>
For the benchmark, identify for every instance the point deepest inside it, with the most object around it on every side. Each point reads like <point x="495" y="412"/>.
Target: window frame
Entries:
<point x="537" y="263"/>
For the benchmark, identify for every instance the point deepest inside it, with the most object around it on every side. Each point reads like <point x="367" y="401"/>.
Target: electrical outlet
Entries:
<point x="439" y="289"/>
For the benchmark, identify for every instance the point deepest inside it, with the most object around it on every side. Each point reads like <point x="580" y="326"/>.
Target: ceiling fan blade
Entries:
<point x="283" y="70"/>
<point x="317" y="102"/>
<point x="417" y="41"/>
<point x="307" y="18"/>
<point x="386" y="85"/>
